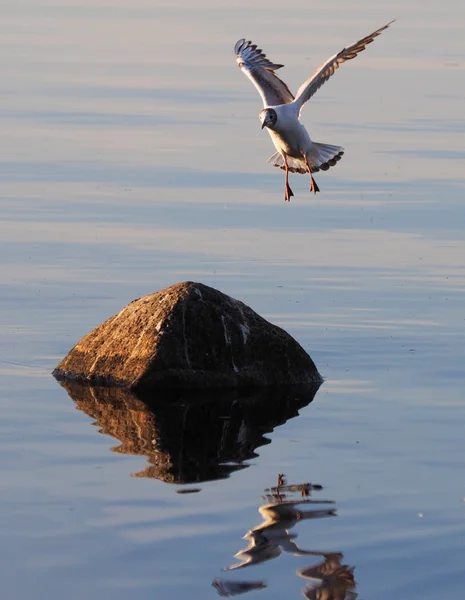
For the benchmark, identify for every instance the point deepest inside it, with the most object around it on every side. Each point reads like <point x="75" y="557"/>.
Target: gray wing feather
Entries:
<point x="261" y="72"/>
<point x="328" y="68"/>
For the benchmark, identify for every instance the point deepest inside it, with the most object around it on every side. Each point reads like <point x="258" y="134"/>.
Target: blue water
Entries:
<point x="131" y="158"/>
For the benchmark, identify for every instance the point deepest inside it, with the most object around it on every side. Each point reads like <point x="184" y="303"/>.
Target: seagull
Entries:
<point x="296" y="152"/>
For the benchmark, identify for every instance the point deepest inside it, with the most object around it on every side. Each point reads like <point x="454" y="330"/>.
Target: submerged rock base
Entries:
<point x="187" y="336"/>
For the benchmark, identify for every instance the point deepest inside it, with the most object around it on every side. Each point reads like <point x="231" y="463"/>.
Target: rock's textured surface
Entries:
<point x="190" y="436"/>
<point x="188" y="336"/>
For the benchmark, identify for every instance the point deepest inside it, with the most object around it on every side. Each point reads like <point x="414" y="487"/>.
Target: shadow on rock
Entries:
<point x="190" y="437"/>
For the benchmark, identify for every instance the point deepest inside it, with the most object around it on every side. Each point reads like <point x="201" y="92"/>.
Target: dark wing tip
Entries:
<point x="354" y="50"/>
<point x="238" y="45"/>
<point x="252" y="55"/>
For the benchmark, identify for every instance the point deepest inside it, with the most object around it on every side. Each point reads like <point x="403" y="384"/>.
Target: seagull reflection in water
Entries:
<point x="328" y="580"/>
<point x="268" y="539"/>
<point x="234" y="588"/>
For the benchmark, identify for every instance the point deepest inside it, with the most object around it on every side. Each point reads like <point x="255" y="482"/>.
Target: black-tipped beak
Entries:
<point x="263" y="124"/>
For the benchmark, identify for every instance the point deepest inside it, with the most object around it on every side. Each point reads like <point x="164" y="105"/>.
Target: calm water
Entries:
<point x="131" y="158"/>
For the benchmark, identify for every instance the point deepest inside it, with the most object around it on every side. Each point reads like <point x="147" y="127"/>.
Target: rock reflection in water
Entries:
<point x="329" y="579"/>
<point x="194" y="437"/>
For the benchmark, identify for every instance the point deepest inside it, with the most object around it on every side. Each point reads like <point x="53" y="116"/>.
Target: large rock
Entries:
<point x="188" y="335"/>
<point x="190" y="436"/>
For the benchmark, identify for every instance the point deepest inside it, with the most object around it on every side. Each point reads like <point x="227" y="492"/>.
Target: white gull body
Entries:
<point x="295" y="151"/>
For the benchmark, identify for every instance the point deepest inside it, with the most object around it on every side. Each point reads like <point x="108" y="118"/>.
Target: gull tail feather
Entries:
<point x="321" y="157"/>
<point x="295" y="164"/>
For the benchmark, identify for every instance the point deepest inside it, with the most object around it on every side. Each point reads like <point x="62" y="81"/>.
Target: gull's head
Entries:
<point x="268" y="118"/>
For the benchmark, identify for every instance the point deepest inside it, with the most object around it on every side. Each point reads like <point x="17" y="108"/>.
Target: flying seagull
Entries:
<point x="296" y="152"/>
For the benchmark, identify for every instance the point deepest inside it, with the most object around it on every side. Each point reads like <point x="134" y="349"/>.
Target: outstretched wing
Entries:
<point x="261" y="72"/>
<point x="328" y="68"/>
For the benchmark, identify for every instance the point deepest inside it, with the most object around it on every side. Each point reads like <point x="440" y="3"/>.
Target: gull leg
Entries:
<point x="287" y="188"/>
<point x="313" y="185"/>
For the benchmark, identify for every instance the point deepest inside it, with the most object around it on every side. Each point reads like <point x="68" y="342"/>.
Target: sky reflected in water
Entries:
<point x="131" y="158"/>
